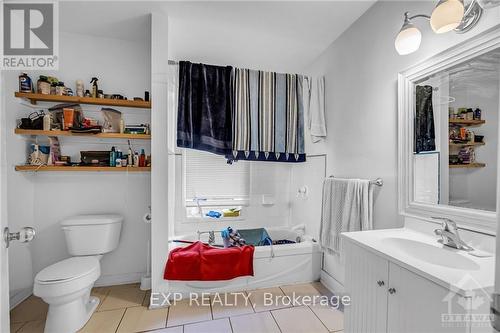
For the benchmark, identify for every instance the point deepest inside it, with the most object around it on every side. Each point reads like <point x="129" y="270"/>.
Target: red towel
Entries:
<point x="200" y="262"/>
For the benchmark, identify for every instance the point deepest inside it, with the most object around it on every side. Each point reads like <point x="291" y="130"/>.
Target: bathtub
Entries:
<point x="275" y="265"/>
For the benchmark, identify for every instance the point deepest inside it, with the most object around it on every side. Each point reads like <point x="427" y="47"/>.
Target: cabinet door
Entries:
<point x="418" y="305"/>
<point x="366" y="282"/>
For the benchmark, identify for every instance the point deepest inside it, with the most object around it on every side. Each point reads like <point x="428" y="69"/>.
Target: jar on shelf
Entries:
<point x="43" y="85"/>
<point x="60" y="89"/>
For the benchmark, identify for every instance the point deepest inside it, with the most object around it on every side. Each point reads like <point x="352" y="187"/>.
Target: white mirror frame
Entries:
<point x="466" y="218"/>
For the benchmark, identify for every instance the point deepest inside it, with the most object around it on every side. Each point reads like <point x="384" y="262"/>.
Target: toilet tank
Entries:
<point x="92" y="234"/>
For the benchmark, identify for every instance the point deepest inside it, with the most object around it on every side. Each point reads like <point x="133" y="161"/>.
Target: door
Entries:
<point x="366" y="282"/>
<point x="418" y="305"/>
<point x="4" y="263"/>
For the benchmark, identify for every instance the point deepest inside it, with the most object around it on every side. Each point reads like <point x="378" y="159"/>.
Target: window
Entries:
<point x="210" y="181"/>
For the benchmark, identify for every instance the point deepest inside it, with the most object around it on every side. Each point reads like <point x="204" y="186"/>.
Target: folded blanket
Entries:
<point x="200" y="262"/>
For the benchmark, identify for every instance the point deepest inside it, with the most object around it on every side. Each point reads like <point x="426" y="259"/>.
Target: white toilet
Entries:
<point x="66" y="285"/>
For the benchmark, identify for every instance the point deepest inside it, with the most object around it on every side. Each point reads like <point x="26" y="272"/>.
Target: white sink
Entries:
<point x="437" y="255"/>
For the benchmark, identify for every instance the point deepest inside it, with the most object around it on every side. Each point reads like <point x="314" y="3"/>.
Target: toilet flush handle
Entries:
<point x="25" y="235"/>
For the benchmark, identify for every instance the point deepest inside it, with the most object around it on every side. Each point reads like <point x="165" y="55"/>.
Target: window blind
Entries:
<point x="209" y="176"/>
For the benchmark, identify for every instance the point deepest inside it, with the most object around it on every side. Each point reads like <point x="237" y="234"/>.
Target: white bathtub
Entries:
<point x="273" y="265"/>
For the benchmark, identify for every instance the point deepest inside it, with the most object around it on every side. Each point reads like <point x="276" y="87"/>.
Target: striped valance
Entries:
<point x="268" y="116"/>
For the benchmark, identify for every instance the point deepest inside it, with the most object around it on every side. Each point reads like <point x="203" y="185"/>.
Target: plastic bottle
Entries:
<point x="95" y="89"/>
<point x="130" y="156"/>
<point x="142" y="159"/>
<point x="136" y="159"/>
<point x="79" y="88"/>
<point x="112" y="157"/>
<point x="25" y="83"/>
<point x="46" y="122"/>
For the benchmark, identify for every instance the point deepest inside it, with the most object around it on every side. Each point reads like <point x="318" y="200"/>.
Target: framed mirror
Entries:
<point x="449" y="111"/>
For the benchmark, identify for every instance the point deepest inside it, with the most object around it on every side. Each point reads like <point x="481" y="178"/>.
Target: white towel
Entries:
<point x="316" y="114"/>
<point x="347" y="206"/>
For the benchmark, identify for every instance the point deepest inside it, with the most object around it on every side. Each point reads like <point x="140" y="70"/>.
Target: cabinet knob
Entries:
<point x="380" y="283"/>
<point x="392" y="291"/>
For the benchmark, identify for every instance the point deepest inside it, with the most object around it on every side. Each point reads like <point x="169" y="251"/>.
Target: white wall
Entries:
<point x="44" y="199"/>
<point x="361" y="69"/>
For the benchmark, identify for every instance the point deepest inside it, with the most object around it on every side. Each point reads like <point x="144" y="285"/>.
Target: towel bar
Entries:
<point x="378" y="181"/>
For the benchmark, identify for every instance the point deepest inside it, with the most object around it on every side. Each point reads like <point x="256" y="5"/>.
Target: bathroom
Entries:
<point x="135" y="49"/>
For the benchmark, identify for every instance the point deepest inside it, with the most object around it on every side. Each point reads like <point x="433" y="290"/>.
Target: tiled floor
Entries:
<point x="123" y="309"/>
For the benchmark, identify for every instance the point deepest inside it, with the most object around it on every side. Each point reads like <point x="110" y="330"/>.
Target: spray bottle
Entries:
<point x="95" y="89"/>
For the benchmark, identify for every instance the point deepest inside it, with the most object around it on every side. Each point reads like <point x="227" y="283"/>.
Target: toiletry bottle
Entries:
<point x="112" y="157"/>
<point x="142" y="159"/>
<point x="130" y="156"/>
<point x="477" y="114"/>
<point x="95" y="89"/>
<point x="122" y="126"/>
<point x="25" y="83"/>
<point x="46" y="122"/>
<point x="136" y="159"/>
<point x="79" y="88"/>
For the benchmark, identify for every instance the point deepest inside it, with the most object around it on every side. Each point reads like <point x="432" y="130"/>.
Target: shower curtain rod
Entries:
<point x="378" y="181"/>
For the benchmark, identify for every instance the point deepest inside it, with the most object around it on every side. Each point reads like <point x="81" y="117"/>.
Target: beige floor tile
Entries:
<point x="33" y="327"/>
<point x="231" y="304"/>
<point x="125" y="286"/>
<point x="33" y="308"/>
<point x="301" y="294"/>
<point x="183" y="312"/>
<point x="256" y="322"/>
<point x="103" y="322"/>
<point x="322" y="289"/>
<point x="212" y="326"/>
<point x="267" y="299"/>
<point x="100" y="292"/>
<point x="140" y="319"/>
<point x="122" y="297"/>
<point x="14" y="327"/>
<point x="298" y="320"/>
<point x="177" y="329"/>
<point x="332" y="318"/>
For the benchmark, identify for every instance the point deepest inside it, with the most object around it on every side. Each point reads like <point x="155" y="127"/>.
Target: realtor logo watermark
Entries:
<point x="471" y="311"/>
<point x="267" y="299"/>
<point x="29" y="36"/>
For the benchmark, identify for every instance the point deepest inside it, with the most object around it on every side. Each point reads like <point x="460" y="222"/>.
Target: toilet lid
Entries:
<point x="68" y="269"/>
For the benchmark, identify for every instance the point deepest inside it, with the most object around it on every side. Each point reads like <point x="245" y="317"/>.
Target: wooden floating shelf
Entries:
<point x="88" y="135"/>
<point x="80" y="168"/>
<point x="471" y="144"/>
<point x="466" y="122"/>
<point x="34" y="98"/>
<point x="467" y="166"/>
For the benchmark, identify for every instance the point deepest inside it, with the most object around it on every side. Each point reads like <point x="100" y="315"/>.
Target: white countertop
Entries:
<point x="455" y="270"/>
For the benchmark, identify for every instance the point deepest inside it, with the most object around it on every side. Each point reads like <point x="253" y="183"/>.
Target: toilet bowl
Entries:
<point x="66" y="285"/>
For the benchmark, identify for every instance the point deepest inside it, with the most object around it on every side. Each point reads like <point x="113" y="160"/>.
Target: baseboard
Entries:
<point x="116" y="279"/>
<point x="20" y="296"/>
<point x="329" y="282"/>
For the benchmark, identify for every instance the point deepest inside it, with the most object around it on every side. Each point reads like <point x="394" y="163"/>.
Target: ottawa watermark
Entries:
<point x="470" y="311"/>
<point x="29" y="37"/>
<point x="236" y="299"/>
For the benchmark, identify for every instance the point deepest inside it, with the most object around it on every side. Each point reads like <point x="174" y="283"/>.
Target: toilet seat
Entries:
<point x="68" y="270"/>
<point x="67" y="277"/>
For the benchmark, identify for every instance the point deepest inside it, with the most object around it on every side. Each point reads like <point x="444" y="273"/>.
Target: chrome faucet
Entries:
<point x="211" y="236"/>
<point x="449" y="235"/>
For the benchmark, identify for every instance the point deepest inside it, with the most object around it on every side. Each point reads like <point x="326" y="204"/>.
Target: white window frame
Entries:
<point x="219" y="204"/>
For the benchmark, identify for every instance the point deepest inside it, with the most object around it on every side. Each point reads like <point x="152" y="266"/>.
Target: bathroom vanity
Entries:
<point x="402" y="280"/>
